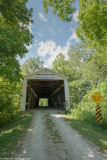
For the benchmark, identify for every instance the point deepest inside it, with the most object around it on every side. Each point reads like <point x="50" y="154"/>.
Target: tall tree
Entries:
<point x="31" y="65"/>
<point x="77" y="55"/>
<point x="94" y="68"/>
<point x="60" y="64"/>
<point x="88" y="63"/>
<point x="15" y="35"/>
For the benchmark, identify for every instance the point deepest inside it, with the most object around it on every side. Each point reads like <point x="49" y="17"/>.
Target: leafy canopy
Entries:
<point x="15" y="35"/>
<point x="92" y="21"/>
<point x="31" y="65"/>
<point x="62" y="8"/>
<point x="15" y="18"/>
<point x="60" y="64"/>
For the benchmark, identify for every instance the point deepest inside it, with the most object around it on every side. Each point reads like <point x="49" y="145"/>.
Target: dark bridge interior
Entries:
<point x="53" y="90"/>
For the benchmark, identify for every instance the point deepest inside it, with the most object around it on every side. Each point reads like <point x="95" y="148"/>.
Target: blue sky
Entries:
<point x="51" y="35"/>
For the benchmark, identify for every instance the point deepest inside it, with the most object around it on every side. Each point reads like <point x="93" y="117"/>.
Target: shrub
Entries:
<point x="10" y="94"/>
<point x="86" y="109"/>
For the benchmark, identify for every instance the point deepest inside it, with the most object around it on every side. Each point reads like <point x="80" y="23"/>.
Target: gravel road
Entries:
<point x="51" y="138"/>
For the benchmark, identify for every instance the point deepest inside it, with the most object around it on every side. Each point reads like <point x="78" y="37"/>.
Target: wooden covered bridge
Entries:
<point x="45" y="83"/>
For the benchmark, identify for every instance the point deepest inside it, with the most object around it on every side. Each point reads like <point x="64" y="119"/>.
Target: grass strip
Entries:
<point x="52" y="129"/>
<point x="95" y="135"/>
<point x="12" y="134"/>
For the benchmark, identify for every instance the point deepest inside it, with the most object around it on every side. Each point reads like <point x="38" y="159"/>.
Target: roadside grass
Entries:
<point x="95" y="135"/>
<point x="12" y="134"/>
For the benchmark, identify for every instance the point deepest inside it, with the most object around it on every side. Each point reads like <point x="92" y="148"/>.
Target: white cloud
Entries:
<point x="50" y="48"/>
<point x="41" y="16"/>
<point x="75" y="16"/>
<point x="45" y="48"/>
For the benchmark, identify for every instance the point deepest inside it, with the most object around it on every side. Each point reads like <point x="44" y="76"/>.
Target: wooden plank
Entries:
<point x="55" y="90"/>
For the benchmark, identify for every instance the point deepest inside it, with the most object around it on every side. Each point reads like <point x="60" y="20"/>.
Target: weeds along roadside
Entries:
<point x="12" y="134"/>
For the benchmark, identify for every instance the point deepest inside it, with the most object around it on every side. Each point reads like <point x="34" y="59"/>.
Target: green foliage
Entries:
<point x="92" y="21"/>
<point x="15" y="19"/>
<point x="90" y="75"/>
<point x="87" y="63"/>
<point x="10" y="68"/>
<point x="43" y="102"/>
<point x="62" y="8"/>
<point x="10" y="94"/>
<point x="77" y="55"/>
<point x="77" y="91"/>
<point x="86" y="109"/>
<point x="94" y="68"/>
<point x="15" y="35"/>
<point x="32" y="65"/>
<point x="60" y="65"/>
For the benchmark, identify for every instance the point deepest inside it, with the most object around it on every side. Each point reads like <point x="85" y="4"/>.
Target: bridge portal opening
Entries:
<point x="43" y="102"/>
<point x="52" y="90"/>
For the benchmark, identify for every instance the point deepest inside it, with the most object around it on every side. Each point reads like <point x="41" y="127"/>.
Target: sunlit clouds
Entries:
<point x="51" y="49"/>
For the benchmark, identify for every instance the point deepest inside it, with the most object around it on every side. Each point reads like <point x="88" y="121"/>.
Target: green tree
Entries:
<point x="60" y="65"/>
<point x="15" y="35"/>
<point x="10" y="68"/>
<point x="31" y="65"/>
<point x="10" y="94"/>
<point x="62" y="8"/>
<point x="79" y="85"/>
<point x="15" y="19"/>
<point x="88" y="63"/>
<point x="94" y="68"/>
<point x="92" y="21"/>
<point x="77" y="55"/>
<point x="90" y="70"/>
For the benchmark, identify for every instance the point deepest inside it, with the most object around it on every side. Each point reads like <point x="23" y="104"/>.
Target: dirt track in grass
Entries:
<point x="51" y="138"/>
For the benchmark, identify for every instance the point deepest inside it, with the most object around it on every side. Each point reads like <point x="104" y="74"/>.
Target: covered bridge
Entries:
<point x="45" y="83"/>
